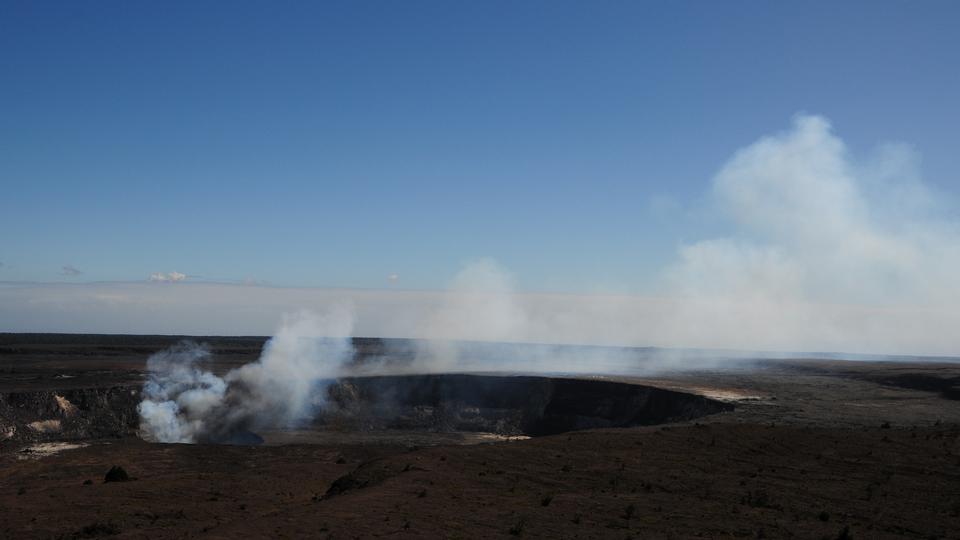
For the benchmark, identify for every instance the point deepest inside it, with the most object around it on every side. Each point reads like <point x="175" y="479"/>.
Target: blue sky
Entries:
<point x="331" y="144"/>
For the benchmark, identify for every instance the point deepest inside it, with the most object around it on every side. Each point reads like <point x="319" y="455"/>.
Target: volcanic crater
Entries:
<point x="504" y="404"/>
<point x="815" y="448"/>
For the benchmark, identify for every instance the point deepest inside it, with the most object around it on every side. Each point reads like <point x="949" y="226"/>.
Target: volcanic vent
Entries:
<point x="303" y="386"/>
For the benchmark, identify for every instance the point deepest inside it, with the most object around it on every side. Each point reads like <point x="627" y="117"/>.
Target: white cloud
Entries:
<point x="829" y="254"/>
<point x="169" y="277"/>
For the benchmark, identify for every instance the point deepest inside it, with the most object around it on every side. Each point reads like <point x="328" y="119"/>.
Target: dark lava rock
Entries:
<point x="116" y="474"/>
<point x="83" y="413"/>
<point x="96" y="530"/>
<point x="241" y="437"/>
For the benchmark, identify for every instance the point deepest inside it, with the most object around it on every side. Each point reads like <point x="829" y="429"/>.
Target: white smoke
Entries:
<point x="829" y="253"/>
<point x="183" y="402"/>
<point x="179" y="396"/>
<point x="483" y="324"/>
<point x="821" y="250"/>
<point x="307" y="348"/>
<point x="816" y="225"/>
<point x="479" y="305"/>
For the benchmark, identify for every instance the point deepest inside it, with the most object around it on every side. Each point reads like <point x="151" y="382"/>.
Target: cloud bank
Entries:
<point x="825" y="252"/>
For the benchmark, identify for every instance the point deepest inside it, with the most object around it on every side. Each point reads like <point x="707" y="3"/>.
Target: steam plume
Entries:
<point x="826" y="253"/>
<point x="817" y="250"/>
<point x="183" y="402"/>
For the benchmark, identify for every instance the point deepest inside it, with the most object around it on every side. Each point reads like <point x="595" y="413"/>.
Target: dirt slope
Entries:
<point x="714" y="481"/>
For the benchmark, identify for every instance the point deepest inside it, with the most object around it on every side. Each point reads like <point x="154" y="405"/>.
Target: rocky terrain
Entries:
<point x="796" y="448"/>
<point x="68" y="414"/>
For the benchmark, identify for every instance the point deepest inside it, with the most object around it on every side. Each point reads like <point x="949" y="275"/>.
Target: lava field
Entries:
<point x="787" y="448"/>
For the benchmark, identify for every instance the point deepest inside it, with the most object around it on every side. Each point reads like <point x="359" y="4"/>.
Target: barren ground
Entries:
<point x="813" y="449"/>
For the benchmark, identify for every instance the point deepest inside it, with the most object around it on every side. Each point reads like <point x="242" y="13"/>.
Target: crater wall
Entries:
<point x="508" y="405"/>
<point x="505" y="405"/>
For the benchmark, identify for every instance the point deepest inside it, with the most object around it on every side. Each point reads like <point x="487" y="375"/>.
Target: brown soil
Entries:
<point x="812" y="449"/>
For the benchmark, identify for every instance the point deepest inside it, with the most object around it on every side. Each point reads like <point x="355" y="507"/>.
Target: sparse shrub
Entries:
<point x="116" y="474"/>
<point x="824" y="516"/>
<point x="844" y="534"/>
<point x="629" y="511"/>
<point x="517" y="529"/>
<point x="885" y="425"/>
<point x="545" y="501"/>
<point x="422" y="494"/>
<point x="97" y="529"/>
<point x="757" y="499"/>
